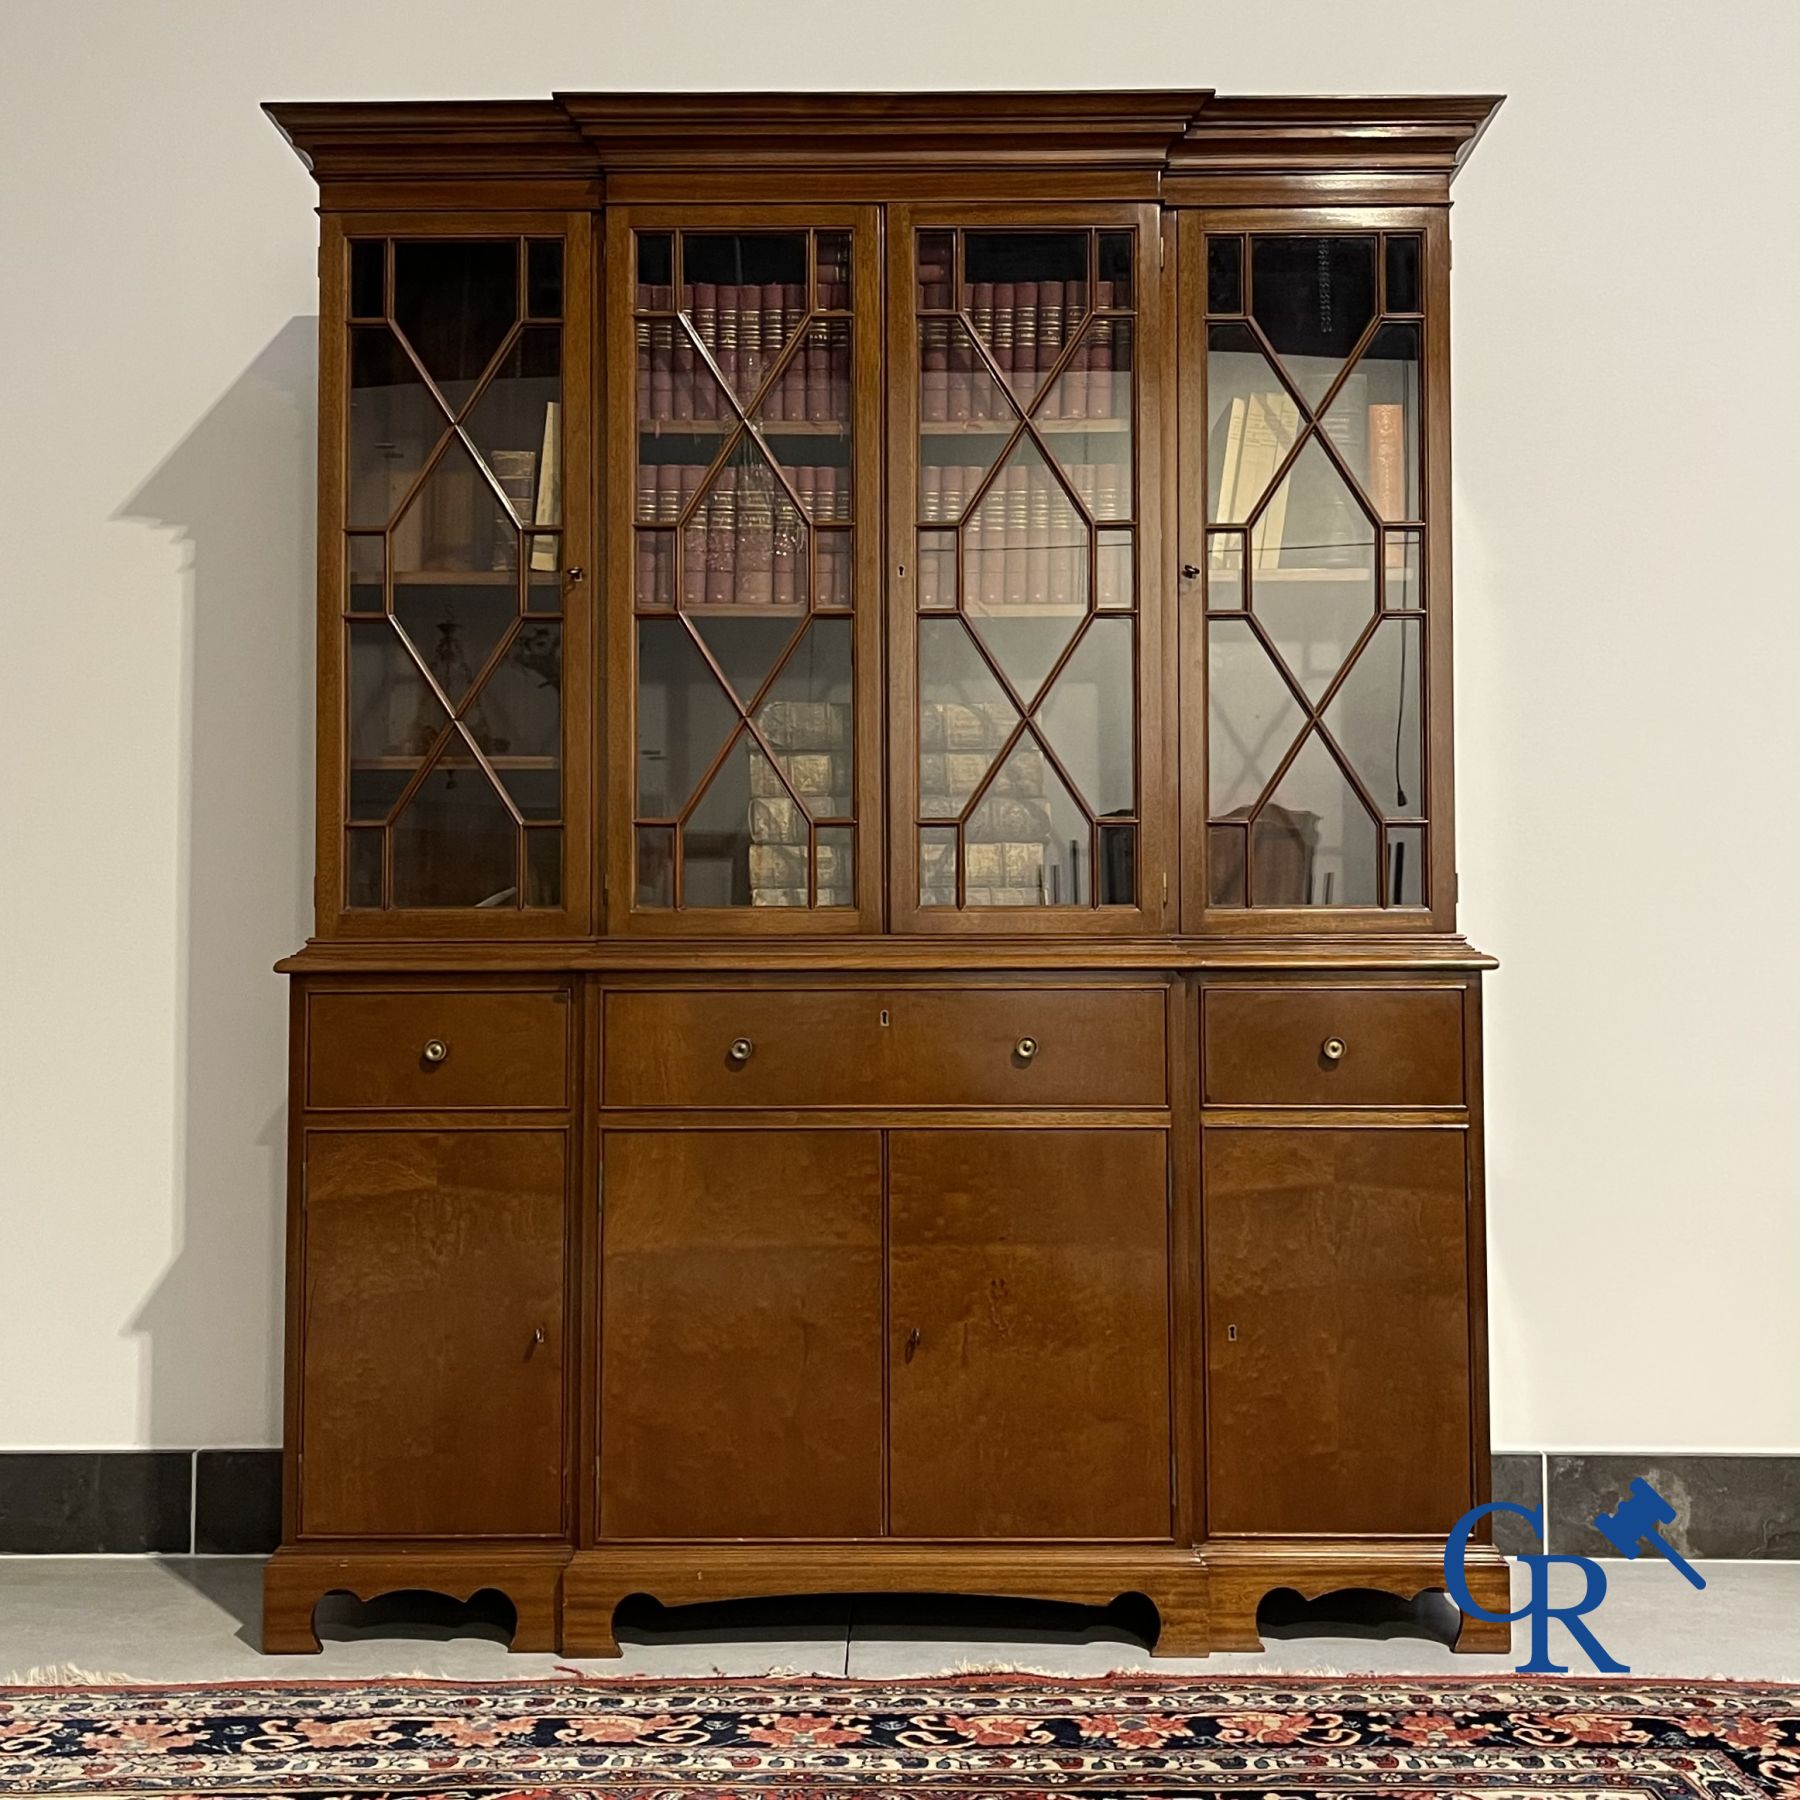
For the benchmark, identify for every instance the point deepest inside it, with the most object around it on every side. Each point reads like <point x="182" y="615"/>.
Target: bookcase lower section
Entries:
<point x="1205" y="1598"/>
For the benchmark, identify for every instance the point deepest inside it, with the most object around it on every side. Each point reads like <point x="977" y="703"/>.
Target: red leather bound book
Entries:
<point x="641" y="328"/>
<point x="1023" y="549"/>
<point x="730" y="304"/>
<point x="755" y="584"/>
<point x="1049" y="343"/>
<point x="1005" y="319"/>
<point x="793" y="316"/>
<point x="1100" y="357"/>
<point x="981" y="315"/>
<point x="994" y="542"/>
<point x="749" y="341"/>
<point x="1025" y="341"/>
<point x="662" y="360"/>
<point x="704" y="311"/>
<point x="769" y="335"/>
<point x="1072" y="396"/>
<point x="693" y="539"/>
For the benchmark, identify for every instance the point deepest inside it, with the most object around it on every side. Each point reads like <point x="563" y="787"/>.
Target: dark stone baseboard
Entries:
<point x="228" y="1502"/>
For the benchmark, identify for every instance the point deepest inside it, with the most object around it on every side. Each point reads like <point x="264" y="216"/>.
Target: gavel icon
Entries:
<point x="1633" y="1523"/>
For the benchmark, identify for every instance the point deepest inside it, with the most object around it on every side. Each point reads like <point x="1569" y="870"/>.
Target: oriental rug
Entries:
<point x="1124" y="1737"/>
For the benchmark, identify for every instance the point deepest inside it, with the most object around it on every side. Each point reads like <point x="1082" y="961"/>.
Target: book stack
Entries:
<point x="1006" y="842"/>
<point x="744" y="328"/>
<point x="743" y="544"/>
<point x="1025" y="326"/>
<point x="813" y="740"/>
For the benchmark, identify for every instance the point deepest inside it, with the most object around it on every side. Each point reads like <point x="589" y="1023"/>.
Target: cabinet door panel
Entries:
<point x="741" y="1334"/>
<point x="1028" y="1336"/>
<point x="431" y="1407"/>
<point x="1338" y="1330"/>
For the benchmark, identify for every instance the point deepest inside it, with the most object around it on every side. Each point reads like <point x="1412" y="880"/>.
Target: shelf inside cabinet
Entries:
<point x="456" y="760"/>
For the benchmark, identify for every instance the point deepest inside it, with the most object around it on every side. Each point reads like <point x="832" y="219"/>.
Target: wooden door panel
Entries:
<point x="1028" y="1335"/>
<point x="1338" y="1330"/>
<point x="430" y="1405"/>
<point x="741" y="1334"/>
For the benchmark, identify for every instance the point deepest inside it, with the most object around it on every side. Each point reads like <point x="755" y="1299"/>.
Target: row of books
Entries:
<point x="1023" y="545"/>
<point x="744" y="328"/>
<point x="1025" y="326"/>
<point x="1006" y="842"/>
<point x="813" y="737"/>
<point x="1260" y="429"/>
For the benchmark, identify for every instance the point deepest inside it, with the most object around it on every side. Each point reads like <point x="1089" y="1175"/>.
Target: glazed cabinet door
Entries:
<point x="1316" y="572"/>
<point x="743" y="468"/>
<point x="1028" y="1334"/>
<point x="740" y="1326"/>
<point x="1026" y="359"/>
<point x="1338" y="1330"/>
<point x="455" y="653"/>
<point x="430" y="1337"/>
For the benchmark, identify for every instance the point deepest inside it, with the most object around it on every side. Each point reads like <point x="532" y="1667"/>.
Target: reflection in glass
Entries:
<point x="1373" y="422"/>
<point x="1253" y="422"/>
<point x="1089" y="717"/>
<point x="394" y="425"/>
<point x="1096" y="389"/>
<point x="1027" y="843"/>
<point x="655" y="568"/>
<point x="964" y="718"/>
<point x="1406" y="865"/>
<point x="1115" y="587"/>
<point x="655" y="847"/>
<point x="455" y="842"/>
<point x="1345" y="856"/>
<point x="393" y="719"/>
<point x="365" y="560"/>
<point x="1227" y="856"/>
<point x="746" y="647"/>
<point x="683" y="717"/>
<point x="1375" y="718"/>
<point x="455" y="525"/>
<point x="363" y="882"/>
<point x="1252" y="717"/>
<point x="1118" y="865"/>
<point x="1225" y="571"/>
<point x="937" y="570"/>
<point x="1313" y="298"/>
<point x="716" y="855"/>
<point x="937" y="865"/>
<point x="517" y="426"/>
<point x="836" y="848"/>
<point x="543" y="865"/>
<point x="1402" y="275"/>
<point x="807" y="722"/>
<point x="517" y="721"/>
<point x="455" y="302"/>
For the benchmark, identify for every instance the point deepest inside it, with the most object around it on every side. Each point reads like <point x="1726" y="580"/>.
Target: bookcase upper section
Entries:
<point x="1183" y="146"/>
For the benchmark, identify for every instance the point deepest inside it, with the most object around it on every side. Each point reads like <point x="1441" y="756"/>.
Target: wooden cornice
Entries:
<point x="1187" y="144"/>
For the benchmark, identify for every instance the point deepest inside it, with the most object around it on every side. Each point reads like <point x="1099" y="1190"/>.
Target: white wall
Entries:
<point x="1628" y="533"/>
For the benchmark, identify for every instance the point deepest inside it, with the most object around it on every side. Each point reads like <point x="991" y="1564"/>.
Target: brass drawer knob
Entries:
<point x="1332" y="1050"/>
<point x="740" y="1051"/>
<point x="1025" y="1049"/>
<point x="435" y="1051"/>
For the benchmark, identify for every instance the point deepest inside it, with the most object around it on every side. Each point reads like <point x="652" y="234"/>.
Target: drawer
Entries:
<point x="990" y="1047"/>
<point x="500" y="1048"/>
<point x="1271" y="1046"/>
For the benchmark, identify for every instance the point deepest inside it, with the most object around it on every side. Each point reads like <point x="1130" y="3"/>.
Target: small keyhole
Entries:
<point x="912" y="1342"/>
<point x="1231" y="1334"/>
<point x="885" y="1020"/>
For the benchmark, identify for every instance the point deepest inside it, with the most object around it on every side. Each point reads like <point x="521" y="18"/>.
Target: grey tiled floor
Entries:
<point x="195" y="1619"/>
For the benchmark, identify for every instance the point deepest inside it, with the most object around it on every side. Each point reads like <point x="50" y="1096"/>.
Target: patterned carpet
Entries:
<point x="818" y="1739"/>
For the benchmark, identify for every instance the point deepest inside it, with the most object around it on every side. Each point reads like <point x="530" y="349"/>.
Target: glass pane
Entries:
<point x="1374" y="422"/>
<point x="834" y="271"/>
<point x="1406" y="865"/>
<point x="807" y="722"/>
<point x="517" y="425"/>
<point x="455" y="630"/>
<point x="455" y="526"/>
<point x="394" y="425"/>
<point x="1313" y="298"/>
<point x="836" y="866"/>
<point x="1115" y="269"/>
<point x="655" y="568"/>
<point x="1027" y="843"/>
<point x="543" y="581"/>
<point x="365" y="564"/>
<point x="655" y="264"/>
<point x="1022" y="280"/>
<point x="1115" y="571"/>
<point x="1252" y="717"/>
<point x="394" y="718"/>
<point x="1118" y="865"/>
<point x="517" y="720"/>
<point x="455" y="843"/>
<point x="937" y="865"/>
<point x="1405" y="571"/>
<point x="456" y="302"/>
<point x="937" y="570"/>
<point x="1225" y="571"/>
<point x="1282" y="843"/>
<point x="1345" y="863"/>
<point x="683" y="717"/>
<point x="746" y="294"/>
<point x="1227" y="847"/>
<point x="543" y="866"/>
<point x="1089" y="719"/>
<point x="818" y="375"/>
<point x="1312" y="582"/>
<point x="955" y="386"/>
<point x="1375" y="718"/>
<point x="1252" y="424"/>
<point x="746" y="647"/>
<point x="964" y="718"/>
<point x="1096" y="455"/>
<point x="368" y="278"/>
<point x="656" y="865"/>
<point x="362" y="867"/>
<point x="543" y="278"/>
<point x="1225" y="274"/>
<point x="833" y="575"/>
<point x="716" y="853"/>
<point x="1402" y="275"/>
<point x="936" y="253"/>
<point x="746" y="542"/>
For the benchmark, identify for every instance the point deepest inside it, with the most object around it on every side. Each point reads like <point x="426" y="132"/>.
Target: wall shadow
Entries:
<point x="237" y="492"/>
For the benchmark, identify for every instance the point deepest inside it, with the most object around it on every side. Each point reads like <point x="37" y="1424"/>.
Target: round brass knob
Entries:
<point x="740" y="1051"/>
<point x="1025" y="1049"/>
<point x="435" y="1051"/>
<point x="1332" y="1049"/>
